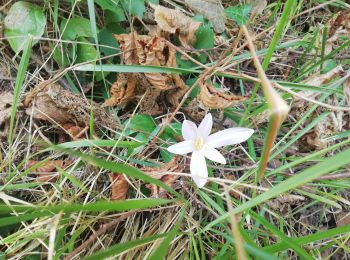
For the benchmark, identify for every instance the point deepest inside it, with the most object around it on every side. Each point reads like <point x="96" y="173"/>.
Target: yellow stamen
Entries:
<point x="198" y="143"/>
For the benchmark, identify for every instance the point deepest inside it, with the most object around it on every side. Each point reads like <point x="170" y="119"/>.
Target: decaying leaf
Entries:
<point x="6" y="100"/>
<point x="50" y="102"/>
<point x="162" y="173"/>
<point x="280" y="203"/>
<point x="257" y="5"/>
<point x="47" y="172"/>
<point x="145" y="50"/>
<point x="211" y="10"/>
<point x="336" y="121"/>
<point x="214" y="98"/>
<point x="120" y="186"/>
<point x="337" y="26"/>
<point x="176" y="22"/>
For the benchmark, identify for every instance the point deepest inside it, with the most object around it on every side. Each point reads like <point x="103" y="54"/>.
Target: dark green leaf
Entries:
<point x="239" y="13"/>
<point x="134" y="7"/>
<point x="105" y="37"/>
<point x="75" y="27"/>
<point x="23" y="19"/>
<point x="86" y="51"/>
<point x="144" y="123"/>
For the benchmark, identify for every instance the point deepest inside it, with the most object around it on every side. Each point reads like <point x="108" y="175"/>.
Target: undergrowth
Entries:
<point x="87" y="178"/>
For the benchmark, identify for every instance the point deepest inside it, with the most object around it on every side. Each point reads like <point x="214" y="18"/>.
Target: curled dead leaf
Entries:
<point x="147" y="87"/>
<point x="216" y="99"/>
<point x="6" y="100"/>
<point x="122" y="91"/>
<point x="162" y="173"/>
<point x="337" y="26"/>
<point x="336" y="121"/>
<point x="47" y="172"/>
<point x="50" y="102"/>
<point x="211" y="10"/>
<point x="280" y="203"/>
<point x="120" y="186"/>
<point x="176" y="22"/>
<point x="258" y="6"/>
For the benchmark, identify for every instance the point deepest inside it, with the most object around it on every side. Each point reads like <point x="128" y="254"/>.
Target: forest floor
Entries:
<point x="92" y="93"/>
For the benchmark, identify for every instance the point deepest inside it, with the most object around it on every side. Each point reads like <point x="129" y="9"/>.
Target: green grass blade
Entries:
<point x="40" y="211"/>
<point x="23" y="65"/>
<point x="328" y="234"/>
<point x="297" y="180"/>
<point x="120" y="168"/>
<point x="300" y="251"/>
<point x="160" y="252"/>
<point x="102" y="143"/>
<point x="119" y="248"/>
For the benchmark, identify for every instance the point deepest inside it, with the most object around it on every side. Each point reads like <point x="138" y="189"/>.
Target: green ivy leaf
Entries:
<point x="204" y="40"/>
<point x="240" y="13"/>
<point x="116" y="16"/>
<point x="105" y="37"/>
<point x="114" y="13"/>
<point x="144" y="123"/>
<point x="23" y="19"/>
<point x="134" y="7"/>
<point x="204" y="37"/>
<point x="86" y="52"/>
<point x="76" y="27"/>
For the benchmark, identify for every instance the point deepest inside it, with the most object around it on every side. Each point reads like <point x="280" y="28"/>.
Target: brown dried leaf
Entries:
<point x="335" y="122"/>
<point x="340" y="24"/>
<point x="48" y="171"/>
<point x="174" y="21"/>
<point x="162" y="173"/>
<point x="145" y="50"/>
<point x="337" y="26"/>
<point x="120" y="186"/>
<point x="44" y="108"/>
<point x="280" y="203"/>
<point x="214" y="98"/>
<point x="6" y="100"/>
<point x="258" y="6"/>
<point x="50" y="102"/>
<point x="122" y="91"/>
<point x="342" y="218"/>
<point x="211" y="10"/>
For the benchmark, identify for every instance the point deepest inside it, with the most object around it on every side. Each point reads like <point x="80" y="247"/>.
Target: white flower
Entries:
<point x="202" y="145"/>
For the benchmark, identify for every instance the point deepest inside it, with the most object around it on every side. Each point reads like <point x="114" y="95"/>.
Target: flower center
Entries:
<point x="198" y="143"/>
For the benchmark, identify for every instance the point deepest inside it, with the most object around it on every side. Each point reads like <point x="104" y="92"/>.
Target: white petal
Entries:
<point x="205" y="126"/>
<point x="229" y="136"/>
<point x="181" y="148"/>
<point x="214" y="155"/>
<point x="189" y="130"/>
<point x="199" y="171"/>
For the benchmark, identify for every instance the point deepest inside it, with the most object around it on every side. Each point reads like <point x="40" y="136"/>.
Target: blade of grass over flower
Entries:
<point x="307" y="175"/>
<point x="119" y="168"/>
<point x="119" y="248"/>
<point x="161" y="251"/>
